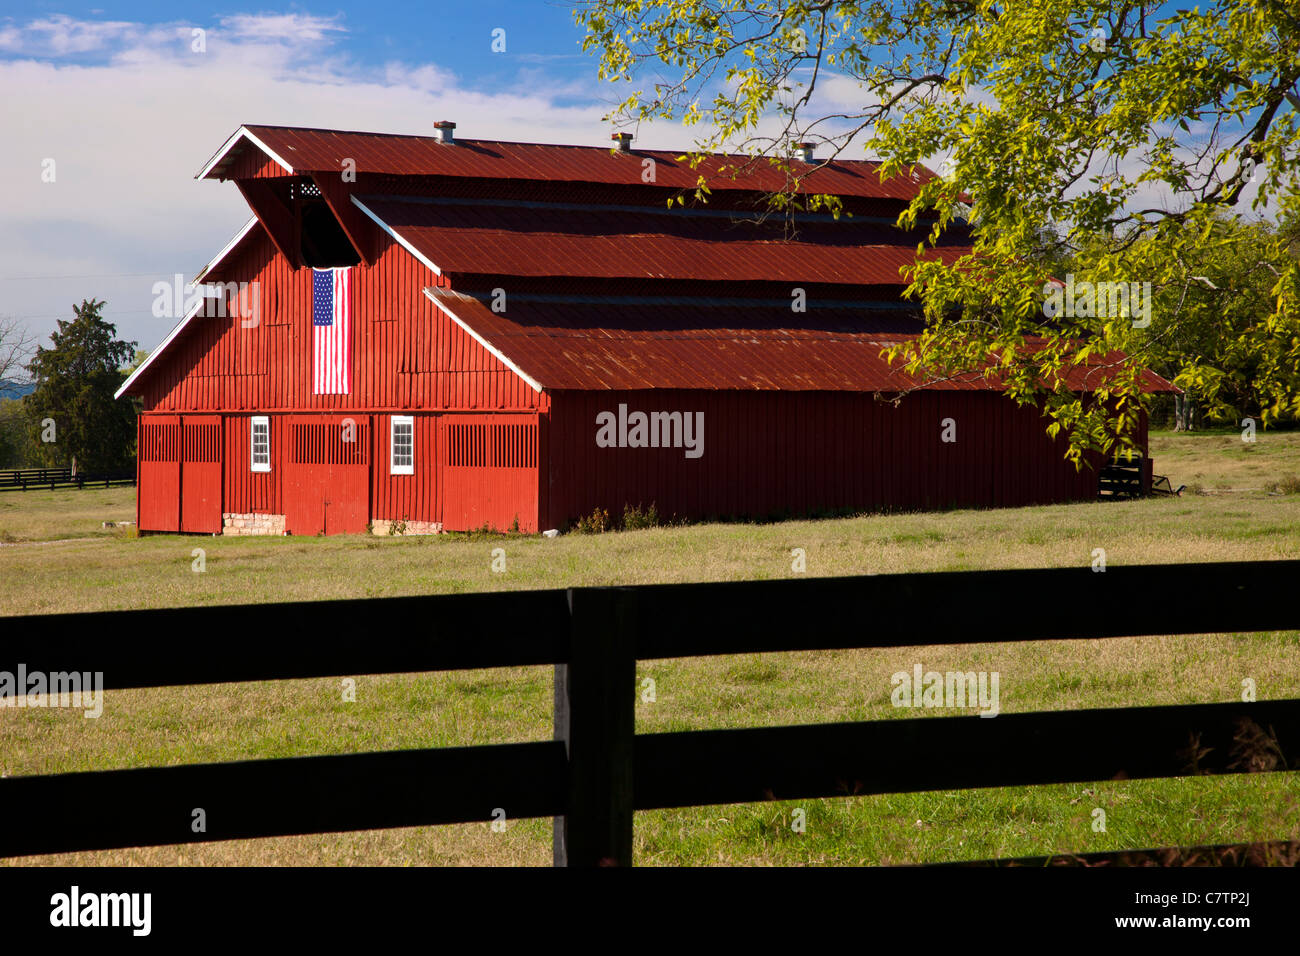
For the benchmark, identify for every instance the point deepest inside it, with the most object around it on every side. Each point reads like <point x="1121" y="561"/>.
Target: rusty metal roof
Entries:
<point x="549" y="239"/>
<point x="645" y="342"/>
<point x="301" y="151"/>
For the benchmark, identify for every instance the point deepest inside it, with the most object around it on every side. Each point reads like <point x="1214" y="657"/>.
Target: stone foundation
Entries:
<point x="384" y="526"/>
<point x="252" y="524"/>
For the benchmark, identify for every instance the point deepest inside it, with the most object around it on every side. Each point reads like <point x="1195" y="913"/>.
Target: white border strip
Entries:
<point x="159" y="350"/>
<point x="216" y="261"/>
<point x="440" y="303"/>
<point x="241" y="133"/>
<point x="400" y="241"/>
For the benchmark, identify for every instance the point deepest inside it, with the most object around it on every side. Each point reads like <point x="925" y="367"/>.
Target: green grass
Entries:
<point x="1218" y="460"/>
<point x="169" y="726"/>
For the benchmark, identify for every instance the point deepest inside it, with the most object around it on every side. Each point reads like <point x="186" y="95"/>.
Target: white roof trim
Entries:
<point x="198" y="307"/>
<point x="216" y="261"/>
<point x="242" y="133"/>
<point x="400" y="241"/>
<point x="429" y="293"/>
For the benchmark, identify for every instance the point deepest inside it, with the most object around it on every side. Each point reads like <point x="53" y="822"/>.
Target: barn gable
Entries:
<point x="409" y="354"/>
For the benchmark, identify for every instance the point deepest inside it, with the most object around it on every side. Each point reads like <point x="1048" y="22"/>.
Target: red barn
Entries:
<point x="453" y="334"/>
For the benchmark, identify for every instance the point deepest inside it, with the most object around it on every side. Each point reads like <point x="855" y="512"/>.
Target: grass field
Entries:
<point x="60" y="559"/>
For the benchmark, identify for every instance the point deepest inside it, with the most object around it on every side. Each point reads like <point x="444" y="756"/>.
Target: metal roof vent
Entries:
<point x="805" y="151"/>
<point x="445" y="131"/>
<point x="624" y="141"/>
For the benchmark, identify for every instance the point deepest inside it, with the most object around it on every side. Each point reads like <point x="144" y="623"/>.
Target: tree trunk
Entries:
<point x="1182" y="413"/>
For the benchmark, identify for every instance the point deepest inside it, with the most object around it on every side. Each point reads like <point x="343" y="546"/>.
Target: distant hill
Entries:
<point x="11" y="389"/>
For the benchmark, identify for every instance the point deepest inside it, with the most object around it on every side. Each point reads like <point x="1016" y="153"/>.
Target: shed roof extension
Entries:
<point x="496" y="237"/>
<point x="650" y="342"/>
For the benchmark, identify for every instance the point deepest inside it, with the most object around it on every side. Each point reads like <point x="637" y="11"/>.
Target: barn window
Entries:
<point x="260" y="452"/>
<point x="403" y="445"/>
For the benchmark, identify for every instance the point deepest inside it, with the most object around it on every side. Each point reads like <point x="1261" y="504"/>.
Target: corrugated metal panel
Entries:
<point x="600" y="342"/>
<point x="323" y="150"/>
<point x="536" y="240"/>
<point x="773" y="454"/>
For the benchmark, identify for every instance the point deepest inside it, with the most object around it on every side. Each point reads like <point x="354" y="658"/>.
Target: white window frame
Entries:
<point x="393" y="467"/>
<point x="253" y="463"/>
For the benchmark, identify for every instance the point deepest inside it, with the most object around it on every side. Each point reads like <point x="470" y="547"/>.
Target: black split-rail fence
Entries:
<point x="597" y="771"/>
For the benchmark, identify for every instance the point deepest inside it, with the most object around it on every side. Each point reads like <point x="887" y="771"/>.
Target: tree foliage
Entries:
<point x="1092" y="131"/>
<point x="75" y="380"/>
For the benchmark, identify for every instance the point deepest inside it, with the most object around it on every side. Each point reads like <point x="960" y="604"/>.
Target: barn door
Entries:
<point x="160" y="472"/>
<point x="489" y="471"/>
<point x="201" y="473"/>
<point x="327" y="478"/>
<point x="347" y="499"/>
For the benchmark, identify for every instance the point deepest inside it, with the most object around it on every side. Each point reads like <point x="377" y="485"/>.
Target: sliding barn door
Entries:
<point x="327" y="475"/>
<point x="489" y="472"/>
<point x="201" y="474"/>
<point x="160" y="473"/>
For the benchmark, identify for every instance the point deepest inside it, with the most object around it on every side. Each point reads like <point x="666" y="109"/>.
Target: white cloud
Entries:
<point x="288" y="26"/>
<point x="60" y="35"/>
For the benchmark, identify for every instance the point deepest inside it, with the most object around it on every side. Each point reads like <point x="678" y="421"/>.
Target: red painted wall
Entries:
<point x="407" y="353"/>
<point x="767" y="454"/>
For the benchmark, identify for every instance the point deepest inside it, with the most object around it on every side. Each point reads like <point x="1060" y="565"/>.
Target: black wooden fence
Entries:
<point x="598" y="771"/>
<point x="21" y="479"/>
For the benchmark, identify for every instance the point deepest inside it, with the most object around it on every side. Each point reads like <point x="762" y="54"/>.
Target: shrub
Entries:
<point x="595" y="523"/>
<point x="634" y="519"/>
<point x="1289" y="485"/>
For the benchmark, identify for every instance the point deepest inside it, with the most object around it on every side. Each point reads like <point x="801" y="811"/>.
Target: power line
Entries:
<point x="101" y="275"/>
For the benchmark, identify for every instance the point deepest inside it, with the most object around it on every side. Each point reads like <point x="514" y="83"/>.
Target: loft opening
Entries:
<point x="322" y="243"/>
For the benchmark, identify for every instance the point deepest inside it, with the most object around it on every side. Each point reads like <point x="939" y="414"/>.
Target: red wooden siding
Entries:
<point x="780" y="453"/>
<point x="201" y="473"/>
<point x="248" y="491"/>
<point x="406" y="497"/>
<point x="160" y="472"/>
<point x="490" y="473"/>
<point x="407" y="353"/>
<point x="327" y="474"/>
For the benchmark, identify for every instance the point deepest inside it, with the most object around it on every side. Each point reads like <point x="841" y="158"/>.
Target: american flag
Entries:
<point x="331" y="313"/>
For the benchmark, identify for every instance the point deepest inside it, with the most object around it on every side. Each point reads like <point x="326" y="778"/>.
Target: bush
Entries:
<point x="634" y="519"/>
<point x="595" y="523"/>
<point x="1289" y="485"/>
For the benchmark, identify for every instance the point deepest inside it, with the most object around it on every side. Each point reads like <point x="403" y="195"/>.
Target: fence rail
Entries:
<point x="20" y="479"/>
<point x="598" y="770"/>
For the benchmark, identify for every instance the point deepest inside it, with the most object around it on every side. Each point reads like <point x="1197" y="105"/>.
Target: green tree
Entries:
<point x="73" y="401"/>
<point x="1083" y="122"/>
<point x="13" y="429"/>
<point x="1212" y="330"/>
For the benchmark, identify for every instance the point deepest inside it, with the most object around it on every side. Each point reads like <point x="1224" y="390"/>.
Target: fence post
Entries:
<point x="595" y="717"/>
